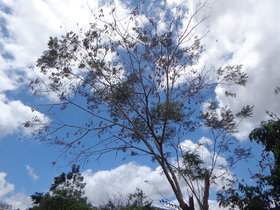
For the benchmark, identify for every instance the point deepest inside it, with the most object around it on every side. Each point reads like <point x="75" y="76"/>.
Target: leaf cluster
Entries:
<point x="266" y="192"/>
<point x="66" y="193"/>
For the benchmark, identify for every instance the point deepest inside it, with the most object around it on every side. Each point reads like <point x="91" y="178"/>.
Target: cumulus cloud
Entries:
<point x="247" y="33"/>
<point x="241" y="32"/>
<point x="108" y="184"/>
<point x="104" y="185"/>
<point x="214" y="205"/>
<point x="23" y="39"/>
<point x="205" y="140"/>
<point x="13" y="114"/>
<point x="5" y="187"/>
<point x="220" y="171"/>
<point x="31" y="172"/>
<point x="116" y="183"/>
<point x="17" y="200"/>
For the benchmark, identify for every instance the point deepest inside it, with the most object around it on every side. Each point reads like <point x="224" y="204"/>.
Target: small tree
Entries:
<point x="138" y="82"/>
<point x="65" y="193"/>
<point x="266" y="193"/>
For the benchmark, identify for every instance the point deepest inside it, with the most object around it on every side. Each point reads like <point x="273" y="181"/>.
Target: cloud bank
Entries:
<point x="241" y="32"/>
<point x="118" y="182"/>
<point x="247" y="33"/>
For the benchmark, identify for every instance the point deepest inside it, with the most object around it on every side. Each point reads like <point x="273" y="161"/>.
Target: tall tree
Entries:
<point x="137" y="88"/>
<point x="66" y="193"/>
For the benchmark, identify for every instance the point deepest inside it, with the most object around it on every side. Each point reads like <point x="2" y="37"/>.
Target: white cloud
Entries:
<point x="205" y="140"/>
<point x="203" y="152"/>
<point x="31" y="172"/>
<point x="116" y="183"/>
<point x="214" y="205"/>
<point x="109" y="184"/>
<point x="27" y="38"/>
<point x="103" y="185"/>
<point x="13" y="114"/>
<point x="18" y="200"/>
<point x="247" y="32"/>
<point x="5" y="187"/>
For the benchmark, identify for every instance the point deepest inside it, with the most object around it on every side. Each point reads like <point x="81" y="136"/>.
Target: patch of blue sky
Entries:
<point x="16" y="154"/>
<point x="7" y="56"/>
<point x="4" y="8"/>
<point x="3" y="29"/>
<point x="4" y="32"/>
<point x="228" y="56"/>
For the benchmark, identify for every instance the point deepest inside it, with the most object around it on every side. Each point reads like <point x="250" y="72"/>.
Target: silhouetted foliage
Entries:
<point x="66" y="193"/>
<point x="138" y="82"/>
<point x="266" y="193"/>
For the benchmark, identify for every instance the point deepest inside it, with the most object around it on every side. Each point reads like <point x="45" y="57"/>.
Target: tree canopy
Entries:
<point x="66" y="193"/>
<point x="138" y="82"/>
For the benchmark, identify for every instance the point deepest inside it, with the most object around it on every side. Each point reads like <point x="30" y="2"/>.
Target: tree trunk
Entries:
<point x="206" y="190"/>
<point x="174" y="184"/>
<point x="191" y="203"/>
<point x="184" y="206"/>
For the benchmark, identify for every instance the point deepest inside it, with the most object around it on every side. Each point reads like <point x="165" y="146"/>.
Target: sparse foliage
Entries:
<point x="135" y="201"/>
<point x="137" y="88"/>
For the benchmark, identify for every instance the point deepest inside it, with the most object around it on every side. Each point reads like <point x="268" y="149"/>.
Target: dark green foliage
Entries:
<point x="66" y="193"/>
<point x="219" y="119"/>
<point x="244" y="197"/>
<point x="266" y="192"/>
<point x="193" y="166"/>
<point x="269" y="136"/>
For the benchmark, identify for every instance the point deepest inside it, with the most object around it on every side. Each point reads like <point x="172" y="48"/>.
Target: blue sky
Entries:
<point x="240" y="32"/>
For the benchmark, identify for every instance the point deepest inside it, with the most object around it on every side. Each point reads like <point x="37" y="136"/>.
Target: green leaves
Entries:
<point x="246" y="197"/>
<point x="266" y="192"/>
<point x="66" y="193"/>
<point x="193" y="166"/>
<point x="232" y="75"/>
<point x="269" y="135"/>
<point x="219" y="118"/>
<point x="246" y="111"/>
